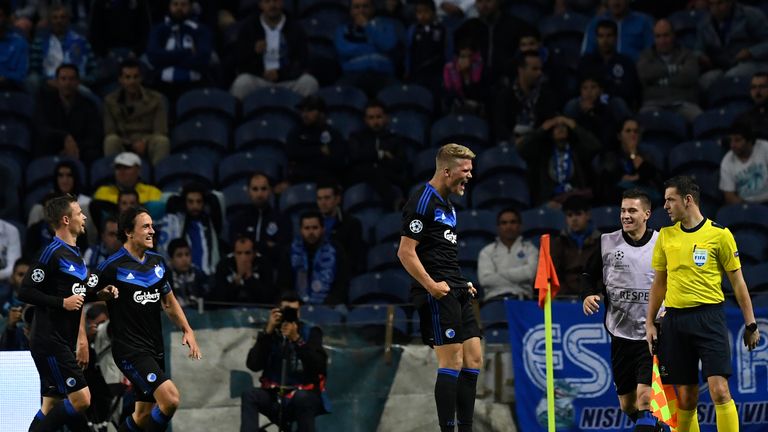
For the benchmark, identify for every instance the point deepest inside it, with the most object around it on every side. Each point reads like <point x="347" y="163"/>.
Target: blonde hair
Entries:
<point x="449" y="153"/>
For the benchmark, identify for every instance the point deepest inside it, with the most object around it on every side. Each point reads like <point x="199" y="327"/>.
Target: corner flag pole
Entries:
<point x="549" y="362"/>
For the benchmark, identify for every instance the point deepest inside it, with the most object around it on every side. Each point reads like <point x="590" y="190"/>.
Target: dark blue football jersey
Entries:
<point x="134" y="317"/>
<point x="431" y="220"/>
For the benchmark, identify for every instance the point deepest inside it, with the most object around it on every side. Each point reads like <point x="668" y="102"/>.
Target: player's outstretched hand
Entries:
<point x="751" y="339"/>
<point x="189" y="340"/>
<point x="591" y="304"/>
<point x="472" y="290"/>
<point x="108" y="293"/>
<point x="440" y="289"/>
<point x="650" y="336"/>
<point x="74" y="302"/>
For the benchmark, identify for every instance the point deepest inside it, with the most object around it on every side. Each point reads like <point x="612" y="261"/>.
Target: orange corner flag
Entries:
<point x="546" y="277"/>
<point x="663" y="398"/>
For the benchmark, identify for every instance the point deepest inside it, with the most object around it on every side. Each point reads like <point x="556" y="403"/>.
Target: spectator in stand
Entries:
<point x="596" y="111"/>
<point x="59" y="44"/>
<point x="524" y="105"/>
<point x="245" y="276"/>
<point x="340" y="227"/>
<point x="616" y="71"/>
<point x="68" y="123"/>
<point x="135" y="117"/>
<point x="669" y="74"/>
<point x="189" y="283"/>
<point x="108" y="245"/>
<point x="744" y="169"/>
<point x="313" y="266"/>
<point x="558" y="156"/>
<point x="425" y="47"/>
<point x="9" y="290"/>
<point x="127" y="199"/>
<point x="261" y="221"/>
<point x="14" y="52"/>
<point x="455" y="10"/>
<point x="180" y="51"/>
<point x="365" y="48"/>
<point x="10" y="249"/>
<point x="314" y="148"/>
<point x="271" y="50"/>
<point x="507" y="267"/>
<point x="627" y="167"/>
<point x="757" y="116"/>
<point x="732" y="41"/>
<point x="377" y="157"/>
<point x="119" y="25"/>
<point x="496" y="33"/>
<point x="15" y="334"/>
<point x="464" y="88"/>
<point x="195" y="225"/>
<point x="572" y="248"/>
<point x="127" y="175"/>
<point x="635" y="28"/>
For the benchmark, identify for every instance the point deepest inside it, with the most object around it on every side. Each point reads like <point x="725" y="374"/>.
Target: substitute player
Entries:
<point x="428" y="251"/>
<point x="56" y="285"/>
<point x="689" y="259"/>
<point x="137" y="342"/>
<point x="623" y="267"/>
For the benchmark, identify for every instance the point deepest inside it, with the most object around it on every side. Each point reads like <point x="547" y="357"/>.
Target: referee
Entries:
<point x="137" y="341"/>
<point x="689" y="259"/>
<point x="428" y="251"/>
<point x="623" y="267"/>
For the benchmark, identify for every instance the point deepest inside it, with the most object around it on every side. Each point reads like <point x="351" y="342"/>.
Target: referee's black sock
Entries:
<point x="445" y="398"/>
<point x="63" y="413"/>
<point x="466" y="389"/>
<point x="36" y="421"/>
<point x="158" y="421"/>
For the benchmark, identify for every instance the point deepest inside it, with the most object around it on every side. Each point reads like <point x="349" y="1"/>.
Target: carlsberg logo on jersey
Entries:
<point x="78" y="289"/>
<point x="145" y="297"/>
<point x="451" y="237"/>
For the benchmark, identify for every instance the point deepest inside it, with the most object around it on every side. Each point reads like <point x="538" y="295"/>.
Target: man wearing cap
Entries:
<point x="127" y="172"/>
<point x="314" y="148"/>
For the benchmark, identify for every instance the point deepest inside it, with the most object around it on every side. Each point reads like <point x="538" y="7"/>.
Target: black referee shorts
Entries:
<point x="692" y="334"/>
<point x="59" y="373"/>
<point x="445" y="321"/>
<point x="632" y="364"/>
<point x="145" y="372"/>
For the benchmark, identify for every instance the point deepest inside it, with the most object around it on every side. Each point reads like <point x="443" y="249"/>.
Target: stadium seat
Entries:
<point x="564" y="52"/>
<point x="463" y="128"/>
<point x="323" y="63"/>
<point x="529" y="11"/>
<point x="423" y="165"/>
<point x="606" y="218"/>
<point x="177" y="169"/>
<point x="39" y="172"/>
<point x="379" y="287"/>
<point x="542" y="220"/>
<point x="383" y="256"/>
<point x="299" y="197"/>
<point x="659" y="219"/>
<point x="477" y="224"/>
<point x="499" y="159"/>
<point x="751" y="248"/>
<point x="207" y="100"/>
<point x="34" y="196"/>
<point x="756" y="277"/>
<point x="411" y="129"/>
<point x="346" y="122"/>
<point x="685" y="23"/>
<point x="496" y="336"/>
<point x="727" y="90"/>
<point x="307" y="7"/>
<point x="321" y="316"/>
<point x="271" y="99"/>
<point x="266" y="129"/>
<point x="102" y="171"/>
<point x="565" y="25"/>
<point x="510" y="191"/>
<point x="15" y="138"/>
<point x="663" y="126"/>
<point x="17" y="104"/>
<point x="708" y="181"/>
<point x="321" y="25"/>
<point x="236" y="197"/>
<point x="371" y="320"/>
<point x="240" y="166"/>
<point x="656" y="154"/>
<point x="344" y="98"/>
<point x="361" y="196"/>
<point x="387" y="228"/>
<point x="10" y="178"/>
<point x="713" y="124"/>
<point x="743" y="216"/>
<point x="407" y="98"/>
<point x="208" y="133"/>
<point x="368" y="218"/>
<point x="469" y="250"/>
<point x="494" y="315"/>
<point x="695" y="154"/>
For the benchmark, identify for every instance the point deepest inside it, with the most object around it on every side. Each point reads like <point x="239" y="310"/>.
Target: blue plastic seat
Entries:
<point x="497" y="336"/>
<point x="320" y="26"/>
<point x="10" y="179"/>
<point x="565" y="52"/>
<point x="727" y="90"/>
<point x="341" y="97"/>
<point x="266" y="129"/>
<point x="501" y="192"/>
<point x="177" y="169"/>
<point x="206" y="133"/>
<point x="463" y="128"/>
<point x="423" y="165"/>
<point x="529" y="11"/>
<point x="270" y="99"/>
<point x="663" y="126"/>
<point x="240" y="166"/>
<point x="696" y="154"/>
<point x="407" y="97"/>
<point x="321" y="316"/>
<point x="379" y="287"/>
<point x="15" y="137"/>
<point x="606" y="218"/>
<point x="756" y="277"/>
<point x="383" y="256"/>
<point x="751" y="248"/>
<point x="500" y="159"/>
<point x="346" y="122"/>
<point x="207" y="100"/>
<point x="685" y="23"/>
<point x="361" y="196"/>
<point x="469" y="250"/>
<point x="713" y="124"/>
<point x="411" y="129"/>
<point x="741" y="216"/>
<point x="659" y="219"/>
<point x="307" y="7"/>
<point x="476" y="223"/>
<point x="374" y="317"/>
<point x="299" y="197"/>
<point x="17" y="104"/>
<point x="542" y="220"/>
<point x="387" y="228"/>
<point x="40" y="172"/>
<point x="564" y="25"/>
<point x="494" y="314"/>
<point x="236" y="197"/>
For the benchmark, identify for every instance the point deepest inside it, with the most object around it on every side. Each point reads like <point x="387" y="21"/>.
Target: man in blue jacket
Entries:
<point x="14" y="52"/>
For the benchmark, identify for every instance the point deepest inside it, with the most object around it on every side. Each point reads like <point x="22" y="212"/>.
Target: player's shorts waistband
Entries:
<point x="695" y="309"/>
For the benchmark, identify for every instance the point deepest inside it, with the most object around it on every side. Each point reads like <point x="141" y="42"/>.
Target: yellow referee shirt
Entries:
<point x="694" y="260"/>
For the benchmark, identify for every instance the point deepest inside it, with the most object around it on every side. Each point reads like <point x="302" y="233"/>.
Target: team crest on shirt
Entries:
<point x="151" y="377"/>
<point x="159" y="271"/>
<point x="38" y="275"/>
<point x="700" y="256"/>
<point x="416" y="226"/>
<point x="93" y="280"/>
<point x="71" y="382"/>
<point x="450" y="333"/>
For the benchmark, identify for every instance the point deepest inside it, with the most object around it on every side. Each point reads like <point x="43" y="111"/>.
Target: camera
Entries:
<point x="289" y="314"/>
